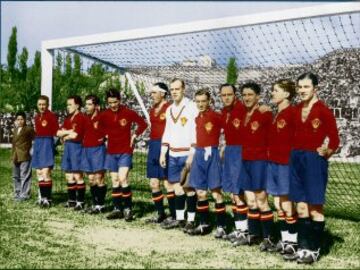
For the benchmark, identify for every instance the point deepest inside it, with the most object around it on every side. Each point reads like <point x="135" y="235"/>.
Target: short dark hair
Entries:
<point x="20" y="113"/>
<point x="227" y="85"/>
<point x="253" y="86"/>
<point x="77" y="99"/>
<point x="180" y="80"/>
<point x="309" y="75"/>
<point x="113" y="93"/>
<point x="203" y="91"/>
<point x="43" y="97"/>
<point x="95" y="99"/>
<point x="163" y="86"/>
<point x="287" y="86"/>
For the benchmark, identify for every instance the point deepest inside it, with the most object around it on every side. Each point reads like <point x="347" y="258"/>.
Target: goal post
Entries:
<point x="266" y="46"/>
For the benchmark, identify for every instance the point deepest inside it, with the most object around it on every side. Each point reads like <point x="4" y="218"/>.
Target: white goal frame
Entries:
<point x="48" y="46"/>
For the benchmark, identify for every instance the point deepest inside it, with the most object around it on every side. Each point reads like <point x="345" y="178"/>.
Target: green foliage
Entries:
<point x="20" y="84"/>
<point x="232" y="71"/>
<point x="23" y="58"/>
<point x="12" y="51"/>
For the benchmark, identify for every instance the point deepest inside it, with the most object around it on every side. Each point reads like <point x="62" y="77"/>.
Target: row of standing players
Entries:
<point x="283" y="155"/>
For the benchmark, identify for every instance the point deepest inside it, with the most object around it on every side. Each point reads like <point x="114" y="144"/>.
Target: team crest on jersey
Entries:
<point x="44" y="123"/>
<point x="183" y="121"/>
<point x="254" y="126"/>
<point x="123" y="122"/>
<point x="96" y="124"/>
<point x="162" y="116"/>
<point x="73" y="126"/>
<point x="236" y="123"/>
<point x="315" y="123"/>
<point x="208" y="127"/>
<point x="281" y="123"/>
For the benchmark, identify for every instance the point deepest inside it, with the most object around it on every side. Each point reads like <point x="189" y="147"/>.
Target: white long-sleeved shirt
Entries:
<point x="180" y="130"/>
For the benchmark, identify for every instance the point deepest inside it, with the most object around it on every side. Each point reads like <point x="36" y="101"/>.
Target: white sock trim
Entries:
<point x="241" y="225"/>
<point x="180" y="214"/>
<point x="191" y="216"/>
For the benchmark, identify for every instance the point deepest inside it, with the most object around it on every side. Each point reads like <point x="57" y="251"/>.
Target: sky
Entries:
<point x="37" y="21"/>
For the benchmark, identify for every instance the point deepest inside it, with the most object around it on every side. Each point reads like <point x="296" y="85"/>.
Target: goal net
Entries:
<point x="265" y="51"/>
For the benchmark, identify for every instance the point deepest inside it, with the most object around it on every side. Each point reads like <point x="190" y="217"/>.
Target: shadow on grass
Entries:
<point x="328" y="241"/>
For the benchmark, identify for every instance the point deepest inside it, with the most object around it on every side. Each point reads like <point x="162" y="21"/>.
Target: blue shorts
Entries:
<point x="308" y="177"/>
<point x="43" y="152"/>
<point x="113" y="162"/>
<point x="254" y="175"/>
<point x="231" y="173"/>
<point x="71" y="160"/>
<point x="175" y="165"/>
<point x="93" y="159"/>
<point x="205" y="174"/>
<point x="278" y="179"/>
<point x="153" y="168"/>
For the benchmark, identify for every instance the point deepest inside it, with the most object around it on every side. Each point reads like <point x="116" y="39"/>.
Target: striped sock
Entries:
<point x="158" y="199"/>
<point x="317" y="233"/>
<point x="267" y="221"/>
<point x="47" y="188"/>
<point x="101" y="194"/>
<point x="71" y="187"/>
<point x="42" y="188"/>
<point x="117" y="198"/>
<point x="191" y="207"/>
<point x="220" y="211"/>
<point x="180" y="206"/>
<point x="254" y="222"/>
<point x="203" y="210"/>
<point x="170" y="196"/>
<point x="291" y="225"/>
<point x="94" y="191"/>
<point x="282" y="225"/>
<point x="242" y="223"/>
<point x="81" y="189"/>
<point x="304" y="233"/>
<point x="127" y="197"/>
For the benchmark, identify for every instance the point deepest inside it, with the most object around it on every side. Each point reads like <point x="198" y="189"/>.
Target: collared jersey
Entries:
<point x="179" y="134"/>
<point x="320" y="123"/>
<point x="46" y="124"/>
<point x="77" y="123"/>
<point x="281" y="135"/>
<point x="208" y="128"/>
<point x="231" y="120"/>
<point x="93" y="136"/>
<point x="255" y="133"/>
<point x="158" y="121"/>
<point x="117" y="126"/>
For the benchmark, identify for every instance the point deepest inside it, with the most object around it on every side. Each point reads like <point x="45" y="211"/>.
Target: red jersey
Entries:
<point x="46" y="124"/>
<point x="117" y="126"/>
<point x="93" y="136"/>
<point x="320" y="123"/>
<point x="231" y="120"/>
<point x="77" y="123"/>
<point x="208" y="127"/>
<point x="281" y="136"/>
<point x="255" y="132"/>
<point x="158" y="121"/>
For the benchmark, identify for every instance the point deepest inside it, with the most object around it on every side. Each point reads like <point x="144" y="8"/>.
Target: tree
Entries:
<point x="232" y="71"/>
<point x="23" y="58"/>
<point x="12" y="51"/>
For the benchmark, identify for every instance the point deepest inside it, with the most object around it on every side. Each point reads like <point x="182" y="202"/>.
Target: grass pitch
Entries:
<point x="59" y="238"/>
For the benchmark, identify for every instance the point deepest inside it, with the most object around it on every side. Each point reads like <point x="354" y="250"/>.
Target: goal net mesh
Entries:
<point x="326" y="45"/>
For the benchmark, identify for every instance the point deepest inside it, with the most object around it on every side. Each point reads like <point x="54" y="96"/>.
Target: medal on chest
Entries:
<point x="254" y="126"/>
<point x="208" y="127"/>
<point x="123" y="122"/>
